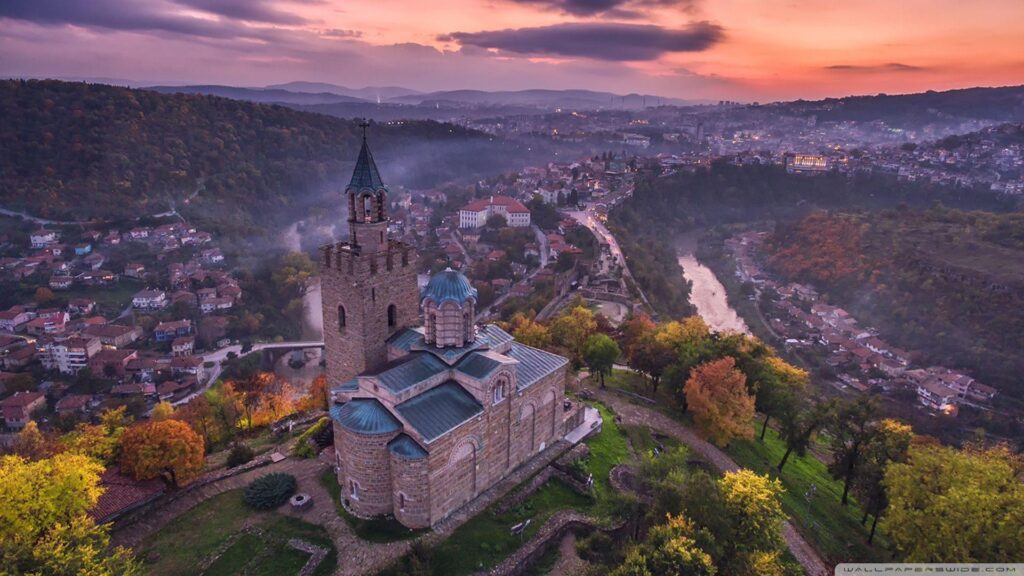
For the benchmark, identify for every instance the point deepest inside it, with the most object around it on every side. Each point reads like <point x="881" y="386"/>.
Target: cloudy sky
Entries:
<point x="699" y="49"/>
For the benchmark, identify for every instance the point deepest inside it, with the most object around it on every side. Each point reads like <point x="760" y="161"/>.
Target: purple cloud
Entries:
<point x="888" y="67"/>
<point x="602" y="41"/>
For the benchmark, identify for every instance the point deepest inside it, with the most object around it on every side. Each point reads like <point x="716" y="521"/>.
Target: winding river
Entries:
<point x="706" y="293"/>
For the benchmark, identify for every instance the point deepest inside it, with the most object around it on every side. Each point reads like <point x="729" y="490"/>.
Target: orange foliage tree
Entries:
<point x="717" y="395"/>
<point x="167" y="449"/>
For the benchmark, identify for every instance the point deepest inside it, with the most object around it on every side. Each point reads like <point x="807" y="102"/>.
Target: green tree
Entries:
<point x="889" y="444"/>
<point x="571" y="330"/>
<point x="668" y="550"/>
<point x="779" y="386"/>
<point x="600" y="354"/>
<point x="800" y="424"/>
<point x="852" y="429"/>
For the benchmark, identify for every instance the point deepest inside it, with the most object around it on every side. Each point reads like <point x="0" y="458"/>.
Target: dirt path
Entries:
<point x="640" y="415"/>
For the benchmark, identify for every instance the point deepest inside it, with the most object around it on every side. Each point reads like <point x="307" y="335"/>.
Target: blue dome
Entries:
<point x="449" y="285"/>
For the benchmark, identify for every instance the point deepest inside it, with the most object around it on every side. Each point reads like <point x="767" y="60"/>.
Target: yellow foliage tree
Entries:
<point x="529" y="331"/>
<point x="948" y="505"/>
<point x="162" y="411"/>
<point x="44" y="526"/>
<point x="717" y="395"/>
<point x="99" y="441"/>
<point x="168" y="449"/>
<point x="571" y="330"/>
<point x="31" y="444"/>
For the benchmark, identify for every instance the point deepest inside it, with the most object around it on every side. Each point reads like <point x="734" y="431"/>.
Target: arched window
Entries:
<point x="373" y="294"/>
<point x="392" y="316"/>
<point x="341" y="318"/>
<point x="353" y="489"/>
<point x="499" y="392"/>
<point x="367" y="208"/>
<point x="401" y="502"/>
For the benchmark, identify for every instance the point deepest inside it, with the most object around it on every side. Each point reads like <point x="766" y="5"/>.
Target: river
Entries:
<point x="707" y="294"/>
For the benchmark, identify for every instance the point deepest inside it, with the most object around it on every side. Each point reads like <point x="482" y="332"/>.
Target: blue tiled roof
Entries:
<point x="449" y="354"/>
<point x="407" y="448"/>
<point x="350" y="386"/>
<point x="449" y="285"/>
<point x="405" y="338"/>
<point x="409" y="371"/>
<point x="493" y="335"/>
<point x="365" y="416"/>
<point x="477" y="365"/>
<point x="439" y="410"/>
<point x="534" y="364"/>
<point x="365" y="174"/>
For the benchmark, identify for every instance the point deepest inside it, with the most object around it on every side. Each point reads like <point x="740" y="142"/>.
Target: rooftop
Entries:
<point x="439" y="410"/>
<point x="365" y="416"/>
<point x="365" y="174"/>
<point x="449" y="285"/>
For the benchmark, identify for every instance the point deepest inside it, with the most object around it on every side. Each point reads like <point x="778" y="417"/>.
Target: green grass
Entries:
<point x="834" y="530"/>
<point x="608" y="448"/>
<point x="372" y="529"/>
<point x="195" y="535"/>
<point x="110" y="299"/>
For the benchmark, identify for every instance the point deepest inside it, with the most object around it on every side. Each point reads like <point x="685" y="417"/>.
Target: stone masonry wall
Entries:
<point x="365" y="460"/>
<point x="409" y="478"/>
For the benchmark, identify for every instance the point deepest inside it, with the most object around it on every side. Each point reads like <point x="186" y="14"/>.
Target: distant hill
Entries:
<point x="1004" y="104"/>
<point x="586" y="99"/>
<point x="262" y="95"/>
<point x="95" y="151"/>
<point x="368" y="93"/>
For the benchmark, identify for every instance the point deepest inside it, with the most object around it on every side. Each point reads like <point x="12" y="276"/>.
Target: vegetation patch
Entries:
<point x="270" y="491"/>
<point x="233" y="539"/>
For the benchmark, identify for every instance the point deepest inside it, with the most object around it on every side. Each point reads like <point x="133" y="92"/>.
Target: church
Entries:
<point x="428" y="408"/>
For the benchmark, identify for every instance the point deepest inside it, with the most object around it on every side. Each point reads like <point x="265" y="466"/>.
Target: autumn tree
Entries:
<point x="571" y="330"/>
<point x="948" y="505"/>
<point x="668" y="550"/>
<point x="44" y="525"/>
<point x="162" y="411"/>
<point x="99" y="441"/>
<point x="529" y="332"/>
<point x="888" y="444"/>
<point x="252" y="391"/>
<point x="851" y="430"/>
<point x="633" y="329"/>
<point x="43" y="296"/>
<point x="318" y="396"/>
<point x="600" y="354"/>
<point x="168" y="449"/>
<point x="717" y="394"/>
<point x="31" y="444"/>
<point x="753" y="504"/>
<point x="295" y="270"/>
<point x="690" y="339"/>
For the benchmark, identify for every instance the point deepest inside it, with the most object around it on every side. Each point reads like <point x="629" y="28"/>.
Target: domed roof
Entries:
<point x="449" y="285"/>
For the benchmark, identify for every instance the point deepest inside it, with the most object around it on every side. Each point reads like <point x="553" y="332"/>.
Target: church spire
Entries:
<point x="365" y="175"/>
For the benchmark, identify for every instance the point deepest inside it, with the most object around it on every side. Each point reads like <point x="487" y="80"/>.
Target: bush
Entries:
<point x="305" y="444"/>
<point x="240" y="454"/>
<point x="270" y="491"/>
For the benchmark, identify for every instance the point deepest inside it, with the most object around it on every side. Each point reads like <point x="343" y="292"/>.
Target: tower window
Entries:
<point x="353" y="487"/>
<point x="341" y="318"/>
<point x="392" y="316"/>
<point x="401" y="501"/>
<point x="499" y="392"/>
<point x="373" y="294"/>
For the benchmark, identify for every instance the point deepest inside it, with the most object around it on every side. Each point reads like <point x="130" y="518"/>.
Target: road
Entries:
<point x="219" y="356"/>
<point x="589" y="219"/>
<point x="635" y="414"/>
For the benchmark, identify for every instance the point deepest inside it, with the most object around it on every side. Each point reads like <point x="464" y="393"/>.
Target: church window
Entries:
<point x="341" y="318"/>
<point x="373" y="294"/>
<point x="499" y="392"/>
<point x="353" y="489"/>
<point x="367" y="208"/>
<point x="392" y="316"/>
<point x="401" y="502"/>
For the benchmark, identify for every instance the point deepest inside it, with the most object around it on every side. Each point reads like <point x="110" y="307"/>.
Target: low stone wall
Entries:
<point x="552" y="531"/>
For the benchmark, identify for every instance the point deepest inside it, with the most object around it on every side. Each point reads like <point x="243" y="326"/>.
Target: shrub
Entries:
<point x="305" y="444"/>
<point x="270" y="491"/>
<point x="240" y="454"/>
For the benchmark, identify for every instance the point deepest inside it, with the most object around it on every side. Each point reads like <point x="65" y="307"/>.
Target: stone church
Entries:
<point x="426" y="415"/>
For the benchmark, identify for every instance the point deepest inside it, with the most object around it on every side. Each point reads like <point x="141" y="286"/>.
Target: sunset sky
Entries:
<point x="698" y="49"/>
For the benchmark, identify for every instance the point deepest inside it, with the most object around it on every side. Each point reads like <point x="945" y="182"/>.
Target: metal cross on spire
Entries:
<point x="364" y="125"/>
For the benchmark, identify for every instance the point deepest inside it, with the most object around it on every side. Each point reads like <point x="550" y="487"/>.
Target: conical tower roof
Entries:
<point x="365" y="174"/>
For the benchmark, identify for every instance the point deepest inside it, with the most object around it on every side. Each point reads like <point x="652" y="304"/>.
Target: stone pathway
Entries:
<point x="641" y="415"/>
<point x="569" y="562"/>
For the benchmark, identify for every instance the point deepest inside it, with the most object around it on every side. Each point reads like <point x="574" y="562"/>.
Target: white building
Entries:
<point x="70" y="355"/>
<point x="476" y="213"/>
<point x="42" y="238"/>
<point x="149" y="300"/>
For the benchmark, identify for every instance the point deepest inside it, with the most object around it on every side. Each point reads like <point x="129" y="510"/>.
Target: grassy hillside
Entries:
<point x="945" y="282"/>
<point x="77" y="151"/>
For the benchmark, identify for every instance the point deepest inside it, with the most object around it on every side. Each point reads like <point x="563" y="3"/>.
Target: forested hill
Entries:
<point x="78" y="151"/>
<point x="947" y="283"/>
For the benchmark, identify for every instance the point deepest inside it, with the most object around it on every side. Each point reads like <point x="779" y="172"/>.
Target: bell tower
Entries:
<point x="368" y="284"/>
